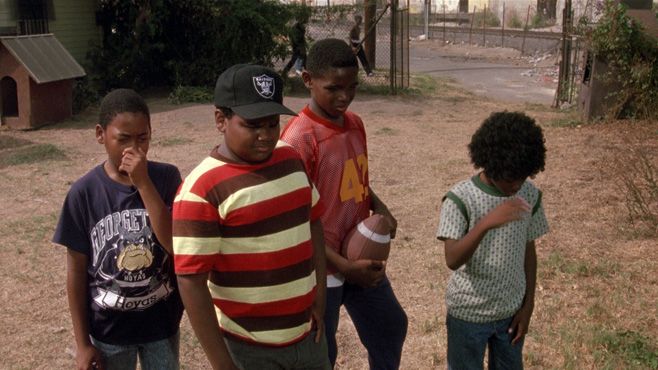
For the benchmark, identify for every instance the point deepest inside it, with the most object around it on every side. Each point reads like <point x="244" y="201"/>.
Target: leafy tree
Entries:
<point x="184" y="42"/>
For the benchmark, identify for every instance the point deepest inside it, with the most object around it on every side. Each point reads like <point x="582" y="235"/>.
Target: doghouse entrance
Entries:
<point x="8" y="97"/>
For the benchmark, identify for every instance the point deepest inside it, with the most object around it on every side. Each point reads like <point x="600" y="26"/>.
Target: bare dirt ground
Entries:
<point x="597" y="279"/>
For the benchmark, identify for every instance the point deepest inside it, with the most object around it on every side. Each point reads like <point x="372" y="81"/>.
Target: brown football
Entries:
<point x="370" y="239"/>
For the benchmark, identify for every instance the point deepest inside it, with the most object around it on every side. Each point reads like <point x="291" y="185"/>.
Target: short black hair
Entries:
<point x="227" y="112"/>
<point x="508" y="146"/>
<point x="121" y="101"/>
<point x="329" y="53"/>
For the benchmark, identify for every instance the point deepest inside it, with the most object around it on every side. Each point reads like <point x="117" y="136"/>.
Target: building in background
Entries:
<point x="73" y="22"/>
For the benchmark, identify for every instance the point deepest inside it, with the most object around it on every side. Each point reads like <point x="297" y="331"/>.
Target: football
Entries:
<point x="370" y="239"/>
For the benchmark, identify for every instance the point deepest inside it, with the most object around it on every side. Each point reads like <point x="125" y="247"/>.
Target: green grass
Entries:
<point x="564" y="122"/>
<point x="538" y="107"/>
<point x="603" y="269"/>
<point x="431" y="325"/>
<point x="29" y="231"/>
<point x="615" y="349"/>
<point x="8" y="142"/>
<point x="174" y="141"/>
<point x="386" y="131"/>
<point x="31" y="154"/>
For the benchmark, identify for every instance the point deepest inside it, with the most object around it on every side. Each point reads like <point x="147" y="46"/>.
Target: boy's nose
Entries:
<point x="268" y="133"/>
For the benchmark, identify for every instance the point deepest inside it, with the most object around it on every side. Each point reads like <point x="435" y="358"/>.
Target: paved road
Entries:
<point x="500" y="81"/>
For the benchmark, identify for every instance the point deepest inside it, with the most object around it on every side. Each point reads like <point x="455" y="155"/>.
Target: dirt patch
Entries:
<point x="595" y="276"/>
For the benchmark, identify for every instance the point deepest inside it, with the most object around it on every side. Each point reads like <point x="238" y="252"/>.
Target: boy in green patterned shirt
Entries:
<point x="488" y="225"/>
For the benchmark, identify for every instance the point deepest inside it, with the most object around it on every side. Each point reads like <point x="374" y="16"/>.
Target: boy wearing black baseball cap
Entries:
<point x="248" y="241"/>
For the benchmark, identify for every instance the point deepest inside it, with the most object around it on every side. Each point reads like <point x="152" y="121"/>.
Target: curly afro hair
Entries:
<point x="508" y="146"/>
<point x="121" y="101"/>
<point x="329" y="53"/>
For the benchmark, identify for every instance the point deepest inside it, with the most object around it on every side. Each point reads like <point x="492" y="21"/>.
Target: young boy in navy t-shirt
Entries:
<point x="116" y="225"/>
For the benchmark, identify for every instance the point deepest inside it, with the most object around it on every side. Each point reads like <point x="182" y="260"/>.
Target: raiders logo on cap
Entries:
<point x="251" y="91"/>
<point x="264" y="85"/>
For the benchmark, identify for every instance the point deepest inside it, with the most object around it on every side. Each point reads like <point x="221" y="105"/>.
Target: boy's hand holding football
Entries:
<point x="365" y="273"/>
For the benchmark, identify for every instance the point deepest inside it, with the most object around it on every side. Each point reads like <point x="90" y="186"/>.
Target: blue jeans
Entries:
<point x="158" y="355"/>
<point x="305" y="354"/>
<point x="467" y="342"/>
<point x="378" y="317"/>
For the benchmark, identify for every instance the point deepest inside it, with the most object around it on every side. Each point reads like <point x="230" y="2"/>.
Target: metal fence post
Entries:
<point x="525" y="30"/>
<point x="502" y="41"/>
<point x="470" y="30"/>
<point x="484" y="27"/>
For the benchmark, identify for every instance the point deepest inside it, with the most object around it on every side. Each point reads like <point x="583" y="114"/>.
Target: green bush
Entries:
<point x="514" y="20"/>
<point x="83" y="95"/>
<point x="491" y="19"/>
<point x="632" y="57"/>
<point x="191" y="94"/>
<point x="538" y="21"/>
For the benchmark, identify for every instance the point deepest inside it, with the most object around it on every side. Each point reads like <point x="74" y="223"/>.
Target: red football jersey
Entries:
<point x="336" y="159"/>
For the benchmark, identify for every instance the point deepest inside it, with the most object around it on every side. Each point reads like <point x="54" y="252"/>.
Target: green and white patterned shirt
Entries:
<point x="491" y="285"/>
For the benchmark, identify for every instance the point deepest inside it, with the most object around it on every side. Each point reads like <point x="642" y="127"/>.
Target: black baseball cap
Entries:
<point x="251" y="91"/>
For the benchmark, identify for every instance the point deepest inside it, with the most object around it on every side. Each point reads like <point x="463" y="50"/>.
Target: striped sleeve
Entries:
<point x="196" y="229"/>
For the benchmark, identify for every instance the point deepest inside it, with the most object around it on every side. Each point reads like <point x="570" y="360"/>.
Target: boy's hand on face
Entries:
<point x="133" y="162"/>
<point x="365" y="273"/>
<point x="88" y="358"/>
<point x="511" y="210"/>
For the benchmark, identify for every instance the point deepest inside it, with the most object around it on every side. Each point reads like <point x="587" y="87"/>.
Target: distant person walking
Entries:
<point x="355" y="41"/>
<point x="298" y="41"/>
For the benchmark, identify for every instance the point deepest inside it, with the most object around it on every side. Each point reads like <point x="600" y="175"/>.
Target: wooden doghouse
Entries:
<point x="36" y="81"/>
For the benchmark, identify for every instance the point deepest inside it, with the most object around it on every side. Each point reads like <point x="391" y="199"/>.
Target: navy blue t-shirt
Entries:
<point x="133" y="295"/>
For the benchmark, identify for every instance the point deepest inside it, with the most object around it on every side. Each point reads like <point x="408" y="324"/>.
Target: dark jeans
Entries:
<point x="467" y="342"/>
<point x="378" y="317"/>
<point x="296" y="54"/>
<point x="362" y="57"/>
<point x="305" y="354"/>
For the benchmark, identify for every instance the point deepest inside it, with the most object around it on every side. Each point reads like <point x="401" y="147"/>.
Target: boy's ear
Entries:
<point x="306" y="77"/>
<point x="100" y="134"/>
<point x="220" y="121"/>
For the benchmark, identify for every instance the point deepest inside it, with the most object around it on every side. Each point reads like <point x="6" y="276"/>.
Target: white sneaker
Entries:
<point x="370" y="74"/>
<point x="298" y="72"/>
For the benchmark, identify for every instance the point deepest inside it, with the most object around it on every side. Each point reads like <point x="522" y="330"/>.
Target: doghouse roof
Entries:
<point x="43" y="56"/>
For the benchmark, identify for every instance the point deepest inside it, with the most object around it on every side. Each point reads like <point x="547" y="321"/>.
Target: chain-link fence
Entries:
<point x="337" y="21"/>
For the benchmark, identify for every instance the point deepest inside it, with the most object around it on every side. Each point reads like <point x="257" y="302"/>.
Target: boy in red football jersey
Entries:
<point x="332" y="143"/>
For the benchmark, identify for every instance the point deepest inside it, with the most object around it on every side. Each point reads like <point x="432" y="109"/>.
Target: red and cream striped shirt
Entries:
<point x="249" y="227"/>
